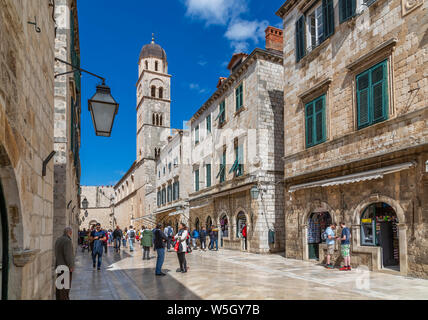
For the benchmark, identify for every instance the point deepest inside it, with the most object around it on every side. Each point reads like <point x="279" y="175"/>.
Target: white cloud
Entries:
<point x="240" y="32"/>
<point x="196" y="87"/>
<point x="217" y="12"/>
<point x="202" y="63"/>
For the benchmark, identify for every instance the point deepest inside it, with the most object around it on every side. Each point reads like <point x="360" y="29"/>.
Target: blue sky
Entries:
<point x="199" y="37"/>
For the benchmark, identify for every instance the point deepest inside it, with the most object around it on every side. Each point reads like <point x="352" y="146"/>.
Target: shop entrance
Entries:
<point x="197" y="227"/>
<point x="379" y="228"/>
<point x="241" y="229"/>
<point x="4" y="247"/>
<point x="224" y="224"/>
<point x="317" y="223"/>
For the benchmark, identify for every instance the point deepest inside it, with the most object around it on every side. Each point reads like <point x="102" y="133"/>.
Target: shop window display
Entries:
<point x="379" y="228"/>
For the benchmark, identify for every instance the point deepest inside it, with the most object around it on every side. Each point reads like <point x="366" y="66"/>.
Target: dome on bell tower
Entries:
<point x="153" y="50"/>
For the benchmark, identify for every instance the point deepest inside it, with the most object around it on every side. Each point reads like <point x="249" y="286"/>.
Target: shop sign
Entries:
<point x="366" y="220"/>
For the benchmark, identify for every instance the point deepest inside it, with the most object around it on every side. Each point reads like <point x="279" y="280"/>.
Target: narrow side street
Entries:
<point x="234" y="275"/>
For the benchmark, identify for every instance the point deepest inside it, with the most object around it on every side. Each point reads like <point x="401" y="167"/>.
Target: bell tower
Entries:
<point x="153" y="101"/>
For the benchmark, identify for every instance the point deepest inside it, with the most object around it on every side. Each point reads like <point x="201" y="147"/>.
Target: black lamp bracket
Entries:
<point x="46" y="161"/>
<point x="76" y="68"/>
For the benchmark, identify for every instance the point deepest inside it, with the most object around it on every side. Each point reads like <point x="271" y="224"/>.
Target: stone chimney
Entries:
<point x="274" y="39"/>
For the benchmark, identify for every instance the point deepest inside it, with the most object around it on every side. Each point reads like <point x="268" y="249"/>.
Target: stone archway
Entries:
<point x="241" y="212"/>
<point x="375" y="252"/>
<point x="12" y="231"/>
<point x="314" y="207"/>
<point x="224" y="225"/>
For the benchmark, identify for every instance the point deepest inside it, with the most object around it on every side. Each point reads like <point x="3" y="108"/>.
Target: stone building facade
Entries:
<point x="26" y="139"/>
<point x="355" y="95"/>
<point x="100" y="207"/>
<point x="67" y="121"/>
<point x="125" y="193"/>
<point x="173" y="180"/>
<point x="237" y="144"/>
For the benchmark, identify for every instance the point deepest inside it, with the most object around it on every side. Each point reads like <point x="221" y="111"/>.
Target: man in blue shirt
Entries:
<point x="331" y="238"/>
<point x="97" y="237"/>
<point x="345" y="245"/>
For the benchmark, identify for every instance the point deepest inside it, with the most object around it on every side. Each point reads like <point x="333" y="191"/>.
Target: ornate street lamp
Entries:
<point x="103" y="109"/>
<point x="85" y="203"/>
<point x="86" y="213"/>
<point x="102" y="105"/>
<point x="255" y="192"/>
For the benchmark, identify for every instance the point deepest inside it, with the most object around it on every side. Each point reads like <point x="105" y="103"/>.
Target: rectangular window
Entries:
<point x="223" y="167"/>
<point x="163" y="196"/>
<point x="169" y="193"/>
<point x="209" y="123"/>
<point x="197" y="134"/>
<point x="208" y="174"/>
<point x="372" y="95"/>
<point x="239" y="94"/>
<point x="320" y="23"/>
<point x="197" y="180"/>
<point x="315" y="122"/>
<point x="159" y="198"/>
<point x="178" y="190"/>
<point x="221" y="113"/>
<point x="346" y="9"/>
<point x="169" y="167"/>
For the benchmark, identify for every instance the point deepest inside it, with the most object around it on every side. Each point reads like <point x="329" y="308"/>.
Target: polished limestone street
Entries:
<point x="227" y="274"/>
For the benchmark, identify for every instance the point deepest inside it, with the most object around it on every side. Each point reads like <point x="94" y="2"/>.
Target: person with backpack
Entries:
<point x="195" y="235"/>
<point x="131" y="234"/>
<point x="181" y="245"/>
<point x="169" y="232"/>
<point x="125" y="234"/>
<point x="97" y="237"/>
<point x="329" y="236"/>
<point x="146" y="242"/>
<point x="203" y="239"/>
<point x="345" y="247"/>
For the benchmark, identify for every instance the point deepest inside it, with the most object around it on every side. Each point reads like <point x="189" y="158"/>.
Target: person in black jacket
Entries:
<point x="159" y="244"/>
<point x="117" y="237"/>
<point x="202" y="238"/>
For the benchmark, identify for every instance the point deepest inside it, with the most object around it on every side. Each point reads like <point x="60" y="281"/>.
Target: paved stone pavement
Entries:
<point x="233" y="275"/>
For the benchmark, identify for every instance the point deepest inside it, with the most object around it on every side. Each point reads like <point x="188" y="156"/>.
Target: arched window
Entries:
<point x="157" y="119"/>
<point x="153" y="91"/>
<point x="156" y="66"/>
<point x="153" y="119"/>
<point x="160" y="120"/>
<point x="161" y="93"/>
<point x="147" y="65"/>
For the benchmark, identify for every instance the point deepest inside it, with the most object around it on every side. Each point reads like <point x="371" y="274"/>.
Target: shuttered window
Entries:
<point x="222" y="169"/>
<point x="159" y="198"/>
<point x="197" y="134"/>
<point x="328" y="18"/>
<point x="209" y="123"/>
<point x="197" y="180"/>
<point x="239" y="97"/>
<point x="372" y="95"/>
<point x="315" y="122"/>
<point x="208" y="174"/>
<point x="300" y="38"/>
<point x="346" y="9"/>
<point x="169" y="193"/>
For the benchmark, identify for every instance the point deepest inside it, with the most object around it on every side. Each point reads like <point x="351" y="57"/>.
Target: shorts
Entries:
<point x="345" y="250"/>
<point x="330" y="249"/>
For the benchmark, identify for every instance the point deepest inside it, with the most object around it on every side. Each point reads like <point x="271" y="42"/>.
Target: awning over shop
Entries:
<point x="352" y="178"/>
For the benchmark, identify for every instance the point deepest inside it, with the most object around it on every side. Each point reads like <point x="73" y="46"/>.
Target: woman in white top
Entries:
<point x="181" y="237"/>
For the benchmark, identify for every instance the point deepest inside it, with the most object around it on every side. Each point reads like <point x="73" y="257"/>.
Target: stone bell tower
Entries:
<point x="153" y="119"/>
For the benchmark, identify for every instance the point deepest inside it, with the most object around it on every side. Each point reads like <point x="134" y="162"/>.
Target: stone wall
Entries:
<point x="26" y="139"/>
<point x="99" y="206"/>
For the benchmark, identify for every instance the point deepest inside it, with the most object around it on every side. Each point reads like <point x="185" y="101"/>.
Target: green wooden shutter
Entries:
<point x="208" y="174"/>
<point x="239" y="97"/>
<point x="309" y="124"/>
<point x="72" y="125"/>
<point x="197" y="180"/>
<point x="363" y="101"/>
<point x="178" y="189"/>
<point x="209" y="123"/>
<point x="379" y="92"/>
<point x="241" y="160"/>
<point x="300" y="38"/>
<point x="346" y="9"/>
<point x="319" y="120"/>
<point x="328" y="18"/>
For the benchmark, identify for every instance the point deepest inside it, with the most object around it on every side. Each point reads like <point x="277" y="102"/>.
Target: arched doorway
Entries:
<point x="209" y="223"/>
<point x="241" y="229"/>
<point x="197" y="224"/>
<point x="224" y="225"/>
<point x="4" y="246"/>
<point x="379" y="228"/>
<point x="317" y="223"/>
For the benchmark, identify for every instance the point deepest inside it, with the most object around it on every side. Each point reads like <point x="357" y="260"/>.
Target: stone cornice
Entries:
<point x="125" y="175"/>
<point x="23" y="257"/>
<point x="153" y="72"/>
<point x="286" y="8"/>
<point x="321" y="86"/>
<point x="257" y="53"/>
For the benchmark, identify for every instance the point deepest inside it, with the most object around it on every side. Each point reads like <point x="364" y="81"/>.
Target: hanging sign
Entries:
<point x="366" y="220"/>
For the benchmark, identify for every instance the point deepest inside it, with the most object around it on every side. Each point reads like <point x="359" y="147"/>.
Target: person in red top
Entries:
<point x="105" y="241"/>
<point x="244" y="234"/>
